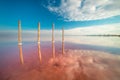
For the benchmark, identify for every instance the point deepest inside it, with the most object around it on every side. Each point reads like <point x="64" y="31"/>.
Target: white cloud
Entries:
<point x="80" y="10"/>
<point x="95" y="30"/>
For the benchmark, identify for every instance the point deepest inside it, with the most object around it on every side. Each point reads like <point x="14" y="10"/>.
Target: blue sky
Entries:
<point x="68" y="13"/>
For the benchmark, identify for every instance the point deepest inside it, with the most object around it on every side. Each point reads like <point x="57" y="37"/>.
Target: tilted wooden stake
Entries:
<point x="39" y="32"/>
<point x="62" y="40"/>
<point x="19" y="33"/>
<point x="20" y="42"/>
<point x="53" y="46"/>
<point x="39" y="49"/>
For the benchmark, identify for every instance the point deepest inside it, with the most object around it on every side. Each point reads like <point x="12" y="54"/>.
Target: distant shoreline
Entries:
<point x="96" y="35"/>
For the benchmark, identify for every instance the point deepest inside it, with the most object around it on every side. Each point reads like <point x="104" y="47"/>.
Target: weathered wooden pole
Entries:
<point x="20" y="42"/>
<point x="53" y="41"/>
<point x="63" y="41"/>
<point x="39" y="49"/>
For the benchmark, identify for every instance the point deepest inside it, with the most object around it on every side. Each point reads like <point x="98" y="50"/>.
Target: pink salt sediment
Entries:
<point x="73" y="65"/>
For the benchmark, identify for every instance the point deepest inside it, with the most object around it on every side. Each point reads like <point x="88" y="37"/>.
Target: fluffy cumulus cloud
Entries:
<point x="112" y="29"/>
<point x="81" y="10"/>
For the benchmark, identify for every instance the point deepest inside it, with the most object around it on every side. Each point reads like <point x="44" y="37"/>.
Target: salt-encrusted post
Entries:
<point x="53" y="41"/>
<point x="20" y="42"/>
<point x="62" y="40"/>
<point x="39" y="49"/>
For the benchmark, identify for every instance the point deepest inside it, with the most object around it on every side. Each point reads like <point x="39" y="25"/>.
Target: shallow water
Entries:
<point x="9" y="53"/>
<point x="77" y="63"/>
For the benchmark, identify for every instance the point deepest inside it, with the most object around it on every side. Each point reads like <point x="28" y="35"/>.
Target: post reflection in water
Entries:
<point x="21" y="54"/>
<point x="39" y="53"/>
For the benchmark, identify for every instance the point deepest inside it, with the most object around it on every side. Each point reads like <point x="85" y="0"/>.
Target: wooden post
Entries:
<point x="63" y="41"/>
<point x="39" y="49"/>
<point x="53" y="46"/>
<point x="20" y="42"/>
<point x="19" y="32"/>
